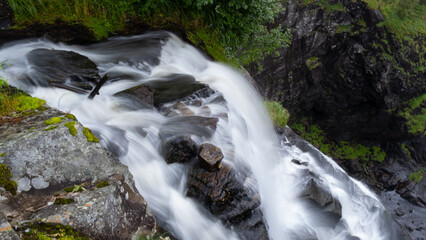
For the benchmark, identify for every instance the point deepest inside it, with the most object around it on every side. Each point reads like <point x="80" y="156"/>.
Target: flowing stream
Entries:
<point x="244" y="132"/>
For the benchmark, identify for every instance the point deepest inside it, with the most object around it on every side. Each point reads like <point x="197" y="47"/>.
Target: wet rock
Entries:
<point x="210" y="156"/>
<point x="189" y="125"/>
<point x="179" y="149"/>
<point x="174" y="87"/>
<point x="225" y="197"/>
<point x="6" y="230"/>
<point x="142" y="95"/>
<point x="44" y="161"/>
<point x="62" y="67"/>
<point x="413" y="192"/>
<point x="322" y="197"/>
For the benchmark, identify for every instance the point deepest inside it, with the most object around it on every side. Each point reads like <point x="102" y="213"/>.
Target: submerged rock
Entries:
<point x="62" y="67"/>
<point x="142" y="95"/>
<point x="210" y="156"/>
<point x="226" y="198"/>
<point x="44" y="160"/>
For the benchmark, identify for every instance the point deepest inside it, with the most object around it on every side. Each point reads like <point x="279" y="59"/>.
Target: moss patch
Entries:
<point x="341" y="149"/>
<point x="89" y="135"/>
<point x="417" y="176"/>
<point x="5" y="176"/>
<point x="71" y="127"/>
<point x="70" y="116"/>
<point x="278" y="113"/>
<point x="47" y="231"/>
<point x="50" y="128"/>
<point x="63" y="201"/>
<point x="312" y="63"/>
<point x="3" y="154"/>
<point x="102" y="184"/>
<point x="415" y="114"/>
<point x="54" y="120"/>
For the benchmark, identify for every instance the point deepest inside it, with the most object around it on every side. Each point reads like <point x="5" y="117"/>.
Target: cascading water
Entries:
<point x="244" y="133"/>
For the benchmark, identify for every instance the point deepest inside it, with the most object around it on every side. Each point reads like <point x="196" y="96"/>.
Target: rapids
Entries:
<point x="244" y="132"/>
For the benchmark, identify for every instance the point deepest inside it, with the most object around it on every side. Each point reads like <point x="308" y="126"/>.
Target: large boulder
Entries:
<point x="226" y="198"/>
<point x="61" y="161"/>
<point x="179" y="149"/>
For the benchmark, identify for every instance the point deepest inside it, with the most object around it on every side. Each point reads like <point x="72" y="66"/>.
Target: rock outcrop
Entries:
<point x="65" y="177"/>
<point x="348" y="74"/>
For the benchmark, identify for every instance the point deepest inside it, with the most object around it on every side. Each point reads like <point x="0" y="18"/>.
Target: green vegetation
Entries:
<point x="5" y="176"/>
<point x="312" y="63"/>
<point x="71" y="127"/>
<point x="3" y="154"/>
<point x="63" y="201"/>
<point x="102" y="184"/>
<point x="70" y="116"/>
<point x="234" y="29"/>
<point x="48" y="231"/>
<point x="279" y="115"/>
<point x="329" y="8"/>
<point x="417" y="176"/>
<point x="341" y="149"/>
<point x="54" y="120"/>
<point x="415" y="114"/>
<point x="50" y="128"/>
<point x="405" y="18"/>
<point x="89" y="135"/>
<point x="344" y="28"/>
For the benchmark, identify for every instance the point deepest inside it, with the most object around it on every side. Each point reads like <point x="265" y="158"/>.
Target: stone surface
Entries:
<point x="210" y="156"/>
<point x="142" y="95"/>
<point x="179" y="149"/>
<point x="225" y="197"/>
<point x="6" y="230"/>
<point x="45" y="162"/>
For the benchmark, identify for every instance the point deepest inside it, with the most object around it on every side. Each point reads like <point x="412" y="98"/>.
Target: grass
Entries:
<point x="278" y="113"/>
<point x="417" y="176"/>
<point x="339" y="150"/>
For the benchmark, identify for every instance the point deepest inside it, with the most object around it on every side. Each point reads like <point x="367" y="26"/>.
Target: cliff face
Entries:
<point x="347" y="74"/>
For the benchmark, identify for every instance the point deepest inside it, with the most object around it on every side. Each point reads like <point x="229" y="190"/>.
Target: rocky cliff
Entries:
<point x="354" y="90"/>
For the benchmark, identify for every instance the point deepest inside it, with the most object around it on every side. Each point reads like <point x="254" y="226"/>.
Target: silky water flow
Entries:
<point x="244" y="132"/>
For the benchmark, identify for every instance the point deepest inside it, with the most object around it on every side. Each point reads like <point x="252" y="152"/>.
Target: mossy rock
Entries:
<point x="47" y="231"/>
<point x="71" y="127"/>
<point x="5" y="180"/>
<point x="89" y="135"/>
<point x="54" y="120"/>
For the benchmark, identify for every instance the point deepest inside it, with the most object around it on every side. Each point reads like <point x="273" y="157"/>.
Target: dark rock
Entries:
<point x="413" y="192"/>
<point x="61" y="67"/>
<point x="313" y="190"/>
<point x="179" y="149"/>
<point x="225" y="197"/>
<point x="210" y="156"/>
<point x="189" y="125"/>
<point x="6" y="15"/>
<point x="174" y="87"/>
<point x="142" y="95"/>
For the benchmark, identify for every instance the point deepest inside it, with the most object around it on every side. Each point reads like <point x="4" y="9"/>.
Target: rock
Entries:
<point x="6" y="230"/>
<point x="210" y="156"/>
<point x="174" y="87"/>
<point x="226" y="198"/>
<point x="44" y="161"/>
<point x="62" y="67"/>
<point x="322" y="197"/>
<point x="179" y="149"/>
<point x="142" y="95"/>
<point x="189" y="125"/>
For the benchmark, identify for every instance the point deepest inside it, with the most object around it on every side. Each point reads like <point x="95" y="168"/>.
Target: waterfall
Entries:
<point x="263" y="160"/>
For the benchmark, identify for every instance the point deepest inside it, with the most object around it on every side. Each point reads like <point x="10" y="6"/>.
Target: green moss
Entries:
<point x="76" y="188"/>
<point x="312" y="63"/>
<point x="102" y="184"/>
<point x="3" y="154"/>
<point x="341" y="150"/>
<point x="279" y="115"/>
<point x="70" y="116"/>
<point x="5" y="180"/>
<point x="415" y="114"/>
<point x="343" y="29"/>
<point x="68" y="189"/>
<point x="63" y="201"/>
<point x="48" y="231"/>
<point x="71" y="127"/>
<point x="51" y="127"/>
<point x="25" y="102"/>
<point x="417" y="176"/>
<point x="54" y="120"/>
<point x="89" y="135"/>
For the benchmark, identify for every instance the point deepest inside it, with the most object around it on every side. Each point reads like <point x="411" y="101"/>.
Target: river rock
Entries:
<point x="142" y="95"/>
<point x="45" y="160"/>
<point x="210" y="156"/>
<point x="62" y="67"/>
<point x="179" y="149"/>
<point x="189" y="125"/>
<point x="225" y="197"/>
<point x="174" y="87"/>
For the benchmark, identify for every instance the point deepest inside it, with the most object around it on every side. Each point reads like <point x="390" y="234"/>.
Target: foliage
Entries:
<point x="341" y="149"/>
<point x="5" y="180"/>
<point x="415" y="114"/>
<point x="48" y="231"/>
<point x="237" y="25"/>
<point x="278" y="114"/>
<point x="417" y="176"/>
<point x="312" y="63"/>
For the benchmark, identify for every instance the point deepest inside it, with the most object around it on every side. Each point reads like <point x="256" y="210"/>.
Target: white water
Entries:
<point x="245" y="136"/>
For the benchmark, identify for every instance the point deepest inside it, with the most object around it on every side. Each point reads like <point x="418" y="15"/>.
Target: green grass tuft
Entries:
<point x="278" y="113"/>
